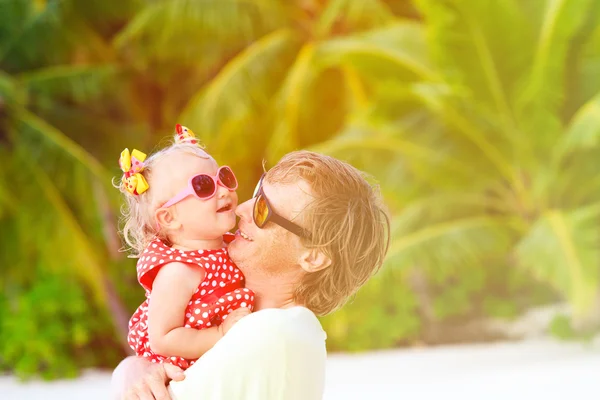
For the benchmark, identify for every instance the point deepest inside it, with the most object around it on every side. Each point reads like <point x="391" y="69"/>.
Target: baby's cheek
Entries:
<point x="231" y="223"/>
<point x="196" y="213"/>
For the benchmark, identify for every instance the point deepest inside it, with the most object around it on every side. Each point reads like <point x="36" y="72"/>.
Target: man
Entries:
<point x="313" y="234"/>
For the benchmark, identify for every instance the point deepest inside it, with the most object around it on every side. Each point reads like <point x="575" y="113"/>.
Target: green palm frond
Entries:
<point x="444" y="205"/>
<point x="562" y="249"/>
<point x="57" y="195"/>
<point x="583" y="131"/>
<point x="99" y="13"/>
<point x="46" y="33"/>
<point x="448" y="244"/>
<point x="413" y="155"/>
<point x="196" y="32"/>
<point x="13" y="13"/>
<point x="543" y="90"/>
<point x="23" y="48"/>
<point x="399" y="147"/>
<point x="8" y="202"/>
<point x="244" y="86"/>
<point x="292" y="99"/>
<point x="85" y="126"/>
<point x="444" y="104"/>
<point x="491" y="100"/>
<point x="575" y="182"/>
<point x="69" y="82"/>
<point x="389" y="162"/>
<point x="353" y="16"/>
<point x="76" y="174"/>
<point x="560" y="23"/>
<point x="11" y="92"/>
<point x="467" y="44"/>
<point x="355" y="88"/>
<point x="400" y="46"/>
<point x="585" y="77"/>
<point x="50" y="135"/>
<point x="72" y="250"/>
<point x="570" y="176"/>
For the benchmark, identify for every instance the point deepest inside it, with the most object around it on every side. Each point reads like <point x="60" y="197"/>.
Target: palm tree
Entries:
<point x="245" y="65"/>
<point x="55" y="204"/>
<point x="488" y="159"/>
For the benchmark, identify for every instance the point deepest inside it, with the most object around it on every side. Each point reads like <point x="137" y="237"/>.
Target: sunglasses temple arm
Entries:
<point x="289" y="225"/>
<point x="182" y="195"/>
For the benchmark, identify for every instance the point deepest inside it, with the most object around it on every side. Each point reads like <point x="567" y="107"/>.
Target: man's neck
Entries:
<point x="272" y="293"/>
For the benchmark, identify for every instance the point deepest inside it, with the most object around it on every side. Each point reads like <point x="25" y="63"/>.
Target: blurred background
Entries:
<point x="479" y="119"/>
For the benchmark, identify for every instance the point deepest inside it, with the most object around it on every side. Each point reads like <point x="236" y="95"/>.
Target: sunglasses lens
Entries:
<point x="227" y="178"/>
<point x="203" y="185"/>
<point x="261" y="211"/>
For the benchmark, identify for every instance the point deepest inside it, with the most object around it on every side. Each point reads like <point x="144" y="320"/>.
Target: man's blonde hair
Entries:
<point x="347" y="220"/>
<point x="139" y="223"/>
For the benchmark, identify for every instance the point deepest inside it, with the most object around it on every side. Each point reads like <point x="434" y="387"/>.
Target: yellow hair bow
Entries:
<point x="184" y="135"/>
<point x="132" y="165"/>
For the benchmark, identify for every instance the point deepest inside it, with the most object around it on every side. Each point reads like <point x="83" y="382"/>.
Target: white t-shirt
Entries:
<point x="272" y="354"/>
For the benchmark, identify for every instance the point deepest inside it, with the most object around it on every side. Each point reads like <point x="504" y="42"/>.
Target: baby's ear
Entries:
<point x="314" y="260"/>
<point x="166" y="218"/>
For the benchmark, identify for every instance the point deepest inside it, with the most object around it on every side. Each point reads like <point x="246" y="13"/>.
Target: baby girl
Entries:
<point x="179" y="208"/>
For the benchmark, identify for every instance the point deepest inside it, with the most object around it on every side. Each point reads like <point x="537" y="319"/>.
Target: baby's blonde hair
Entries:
<point x="139" y="224"/>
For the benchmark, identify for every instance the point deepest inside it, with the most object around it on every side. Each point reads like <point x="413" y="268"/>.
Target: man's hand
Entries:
<point x="233" y="317"/>
<point x="138" y="379"/>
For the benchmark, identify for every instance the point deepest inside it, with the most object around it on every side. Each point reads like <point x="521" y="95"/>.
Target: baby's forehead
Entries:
<point x="183" y="163"/>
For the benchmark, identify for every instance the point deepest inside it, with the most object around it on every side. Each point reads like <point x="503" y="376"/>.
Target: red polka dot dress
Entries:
<point x="218" y="294"/>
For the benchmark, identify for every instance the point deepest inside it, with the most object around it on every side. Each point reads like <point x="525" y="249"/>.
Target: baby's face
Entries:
<point x="200" y="218"/>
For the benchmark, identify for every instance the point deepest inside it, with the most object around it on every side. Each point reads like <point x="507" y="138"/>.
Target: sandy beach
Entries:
<point x="533" y="369"/>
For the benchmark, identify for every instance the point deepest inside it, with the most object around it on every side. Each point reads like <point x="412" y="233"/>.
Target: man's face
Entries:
<point x="271" y="250"/>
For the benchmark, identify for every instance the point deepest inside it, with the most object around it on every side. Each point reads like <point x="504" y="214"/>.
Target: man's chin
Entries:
<point x="238" y="242"/>
<point x="234" y="250"/>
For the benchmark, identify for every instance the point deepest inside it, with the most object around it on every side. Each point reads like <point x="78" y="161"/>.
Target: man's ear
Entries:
<point x="166" y="218"/>
<point x="314" y="260"/>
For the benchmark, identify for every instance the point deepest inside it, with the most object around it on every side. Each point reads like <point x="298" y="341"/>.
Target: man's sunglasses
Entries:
<point x="204" y="186"/>
<point x="263" y="213"/>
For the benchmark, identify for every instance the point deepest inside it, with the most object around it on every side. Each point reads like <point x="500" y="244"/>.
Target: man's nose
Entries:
<point x="244" y="210"/>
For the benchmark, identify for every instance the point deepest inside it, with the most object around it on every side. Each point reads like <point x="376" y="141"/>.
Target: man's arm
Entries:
<point x="137" y="378"/>
<point x="261" y="358"/>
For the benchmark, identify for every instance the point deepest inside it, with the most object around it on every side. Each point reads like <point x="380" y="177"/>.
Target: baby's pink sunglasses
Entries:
<point x="204" y="186"/>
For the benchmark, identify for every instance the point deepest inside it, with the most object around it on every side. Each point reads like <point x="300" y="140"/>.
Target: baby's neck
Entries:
<point x="198" y="244"/>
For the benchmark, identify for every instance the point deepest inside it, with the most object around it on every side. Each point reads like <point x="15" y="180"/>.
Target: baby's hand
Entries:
<point x="232" y="318"/>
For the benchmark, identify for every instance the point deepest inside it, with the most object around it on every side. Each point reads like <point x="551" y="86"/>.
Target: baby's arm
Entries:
<point x="172" y="290"/>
